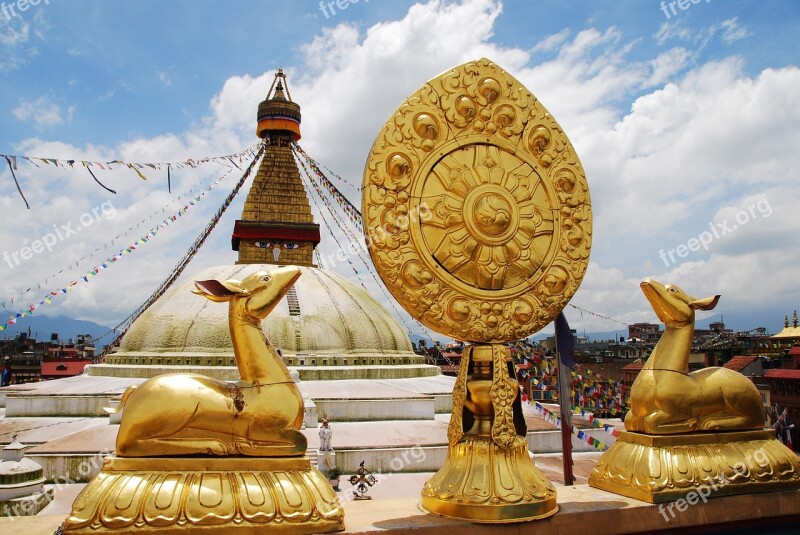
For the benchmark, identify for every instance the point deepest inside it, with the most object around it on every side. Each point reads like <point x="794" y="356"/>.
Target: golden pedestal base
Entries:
<point x="238" y="495"/>
<point x="484" y="483"/>
<point x="663" y="468"/>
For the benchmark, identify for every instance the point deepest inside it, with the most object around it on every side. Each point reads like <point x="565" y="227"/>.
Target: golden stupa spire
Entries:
<point x="276" y="225"/>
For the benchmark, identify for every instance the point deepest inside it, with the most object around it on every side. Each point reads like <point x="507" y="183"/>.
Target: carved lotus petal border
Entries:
<point x="291" y="501"/>
<point x="483" y="251"/>
<point x="723" y="464"/>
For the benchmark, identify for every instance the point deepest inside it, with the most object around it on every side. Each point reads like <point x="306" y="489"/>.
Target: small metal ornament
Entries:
<point x="362" y="480"/>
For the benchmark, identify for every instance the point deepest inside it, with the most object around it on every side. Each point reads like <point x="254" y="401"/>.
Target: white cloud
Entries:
<point x="681" y="147"/>
<point x="732" y="31"/>
<point x="164" y="78"/>
<point x="729" y="31"/>
<point x="15" y="34"/>
<point x="551" y="42"/>
<point x="667" y="64"/>
<point x="19" y="38"/>
<point x="672" y="30"/>
<point x="42" y="113"/>
<point x="15" y="31"/>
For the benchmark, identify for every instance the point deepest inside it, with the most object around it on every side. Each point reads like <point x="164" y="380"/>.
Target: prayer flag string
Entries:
<point x="318" y="189"/>
<point x="153" y="232"/>
<point x="110" y="243"/>
<point x="12" y="167"/>
<point x="589" y="390"/>
<point x="136" y="167"/>
<point x="353" y="213"/>
<point x="125" y="324"/>
<point x="581" y="435"/>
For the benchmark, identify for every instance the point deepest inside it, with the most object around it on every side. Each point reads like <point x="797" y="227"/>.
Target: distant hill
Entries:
<point x="42" y="326"/>
<point x="593" y="337"/>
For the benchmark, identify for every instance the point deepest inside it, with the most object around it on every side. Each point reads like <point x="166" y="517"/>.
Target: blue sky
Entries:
<point x="682" y="123"/>
<point x="133" y="69"/>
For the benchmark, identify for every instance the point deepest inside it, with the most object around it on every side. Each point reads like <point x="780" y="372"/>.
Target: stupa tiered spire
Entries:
<point x="277" y="226"/>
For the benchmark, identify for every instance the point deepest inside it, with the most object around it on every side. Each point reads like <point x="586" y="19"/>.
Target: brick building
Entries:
<point x="648" y="333"/>
<point x="747" y="365"/>
<point x="784" y="389"/>
<point x="32" y="361"/>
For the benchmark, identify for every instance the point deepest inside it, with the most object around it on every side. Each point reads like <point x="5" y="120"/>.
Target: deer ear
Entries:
<point x="705" y="304"/>
<point x="213" y="291"/>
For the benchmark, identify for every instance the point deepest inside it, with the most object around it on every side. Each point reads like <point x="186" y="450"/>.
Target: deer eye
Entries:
<point x="673" y="290"/>
<point x="266" y="278"/>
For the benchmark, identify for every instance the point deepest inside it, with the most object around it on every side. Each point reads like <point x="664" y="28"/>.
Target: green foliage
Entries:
<point x="334" y="473"/>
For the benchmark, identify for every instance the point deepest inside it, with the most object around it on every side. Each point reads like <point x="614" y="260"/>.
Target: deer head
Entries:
<point x="672" y="305"/>
<point x="259" y="292"/>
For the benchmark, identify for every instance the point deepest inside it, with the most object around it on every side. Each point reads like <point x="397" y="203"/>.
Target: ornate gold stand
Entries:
<point x="206" y="495"/>
<point x="478" y="219"/>
<point x="488" y="476"/>
<point x="663" y="468"/>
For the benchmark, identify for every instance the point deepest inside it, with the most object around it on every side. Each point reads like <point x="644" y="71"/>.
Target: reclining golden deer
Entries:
<point x="186" y="414"/>
<point x="666" y="398"/>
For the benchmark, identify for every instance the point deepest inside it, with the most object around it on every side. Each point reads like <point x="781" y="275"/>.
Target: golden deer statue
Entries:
<point x="666" y="398"/>
<point x="188" y="414"/>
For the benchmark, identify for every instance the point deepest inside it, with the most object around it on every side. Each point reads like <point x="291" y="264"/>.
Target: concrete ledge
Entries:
<point x="226" y="373"/>
<point x="361" y="410"/>
<point x="26" y="505"/>
<point x="328" y="373"/>
<point x="69" y="468"/>
<point x="307" y="373"/>
<point x="6" y="390"/>
<point x="443" y="403"/>
<point x="28" y="404"/>
<point x="392" y="460"/>
<point x="227" y="358"/>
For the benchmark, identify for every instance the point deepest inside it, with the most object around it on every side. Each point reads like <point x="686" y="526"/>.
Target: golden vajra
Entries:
<point x="476" y="207"/>
<point x="478" y="219"/>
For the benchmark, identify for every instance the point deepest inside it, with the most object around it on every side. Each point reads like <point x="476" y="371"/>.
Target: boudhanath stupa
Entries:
<point x="354" y="360"/>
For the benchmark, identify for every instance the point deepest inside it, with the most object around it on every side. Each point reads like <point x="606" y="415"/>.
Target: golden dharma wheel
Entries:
<point x="476" y="208"/>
